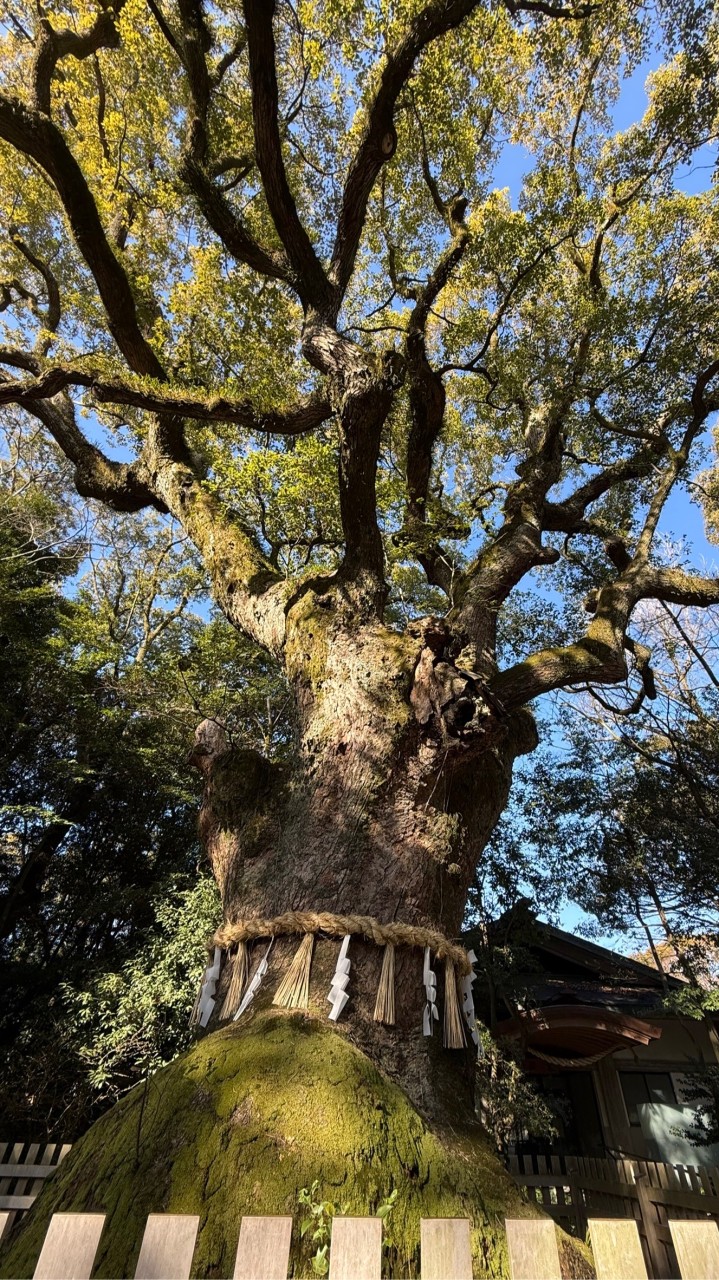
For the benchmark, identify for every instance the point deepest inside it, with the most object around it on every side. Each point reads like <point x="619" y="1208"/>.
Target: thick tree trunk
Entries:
<point x="403" y="769"/>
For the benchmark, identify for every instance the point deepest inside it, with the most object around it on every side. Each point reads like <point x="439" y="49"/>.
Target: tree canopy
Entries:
<point x="226" y="233"/>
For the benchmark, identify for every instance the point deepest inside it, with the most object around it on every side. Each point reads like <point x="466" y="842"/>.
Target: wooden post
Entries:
<point x="70" y="1246"/>
<point x="533" y="1253"/>
<point x="617" y="1249"/>
<point x="356" y="1249"/>
<point x="697" y="1249"/>
<point x="167" y="1246"/>
<point x="263" y="1252"/>
<point x="445" y="1249"/>
<point x="657" y="1255"/>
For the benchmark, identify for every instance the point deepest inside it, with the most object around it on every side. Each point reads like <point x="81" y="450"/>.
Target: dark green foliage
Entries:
<point x="106" y="670"/>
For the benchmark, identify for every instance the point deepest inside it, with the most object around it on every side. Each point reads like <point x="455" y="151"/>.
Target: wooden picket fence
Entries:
<point x="23" y="1169"/>
<point x="574" y="1189"/>
<point x="168" y="1244"/>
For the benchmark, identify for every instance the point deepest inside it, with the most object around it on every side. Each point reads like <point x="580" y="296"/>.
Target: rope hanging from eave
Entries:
<point x="570" y="1064"/>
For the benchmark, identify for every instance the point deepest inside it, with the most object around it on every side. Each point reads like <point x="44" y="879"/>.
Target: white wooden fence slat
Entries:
<point x="26" y="1170"/>
<point x="617" y="1249"/>
<point x="445" y="1249"/>
<point x="263" y="1252"/>
<point x="167" y="1246"/>
<point x="4" y="1219"/>
<point x="356" y="1249"/>
<point x="533" y="1253"/>
<point x="70" y="1246"/>
<point x="697" y="1249"/>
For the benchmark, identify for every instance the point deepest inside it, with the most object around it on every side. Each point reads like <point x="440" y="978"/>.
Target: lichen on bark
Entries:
<point x="248" y="1117"/>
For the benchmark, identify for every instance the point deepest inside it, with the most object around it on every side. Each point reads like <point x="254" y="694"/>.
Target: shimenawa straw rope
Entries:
<point x="311" y="922"/>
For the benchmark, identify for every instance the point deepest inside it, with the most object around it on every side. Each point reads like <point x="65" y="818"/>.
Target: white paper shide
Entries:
<point x="430" y="986"/>
<point x="338" y="996"/>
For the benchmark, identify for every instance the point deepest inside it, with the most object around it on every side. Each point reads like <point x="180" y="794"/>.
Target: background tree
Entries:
<point x="106" y="669"/>
<point x="632" y="805"/>
<point x="280" y="271"/>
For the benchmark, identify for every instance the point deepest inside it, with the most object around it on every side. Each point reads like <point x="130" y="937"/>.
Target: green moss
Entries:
<point x="307" y="640"/>
<point x="242" y="1122"/>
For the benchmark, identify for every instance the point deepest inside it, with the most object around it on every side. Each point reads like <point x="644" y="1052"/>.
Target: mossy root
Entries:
<point x="248" y="1117"/>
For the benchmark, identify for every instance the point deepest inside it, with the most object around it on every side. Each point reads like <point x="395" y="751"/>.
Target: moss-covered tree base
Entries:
<point x="248" y="1117"/>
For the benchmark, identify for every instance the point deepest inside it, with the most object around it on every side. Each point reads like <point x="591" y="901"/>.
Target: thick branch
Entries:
<point x="598" y="658"/>
<point x="35" y="136"/>
<point x="250" y="592"/>
<point x="568" y="516"/>
<point x="427" y="399"/>
<point x="53" y="45"/>
<point x="312" y="282"/>
<point x="120" y="485"/>
<point x="379" y="140"/>
<point x="675" y="586"/>
<point x="227" y="225"/>
<point x="295" y="420"/>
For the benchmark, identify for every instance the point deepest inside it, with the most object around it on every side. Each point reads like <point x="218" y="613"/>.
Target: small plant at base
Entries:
<point x="318" y="1219"/>
<point x="389" y="1244"/>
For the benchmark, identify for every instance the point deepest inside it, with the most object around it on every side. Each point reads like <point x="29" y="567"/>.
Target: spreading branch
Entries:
<point x="312" y="283"/>
<point x="379" y="139"/>
<point x="122" y="486"/>
<point x="31" y="133"/>
<point x="427" y="396"/>
<point x="51" y="46"/>
<point x="293" y="421"/>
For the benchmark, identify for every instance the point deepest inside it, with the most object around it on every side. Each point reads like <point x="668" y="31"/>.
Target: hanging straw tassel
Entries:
<point x="453" y="1025"/>
<point x="238" y="979"/>
<point x="384" y="1008"/>
<point x="195" y="1015"/>
<point x="294" y="989"/>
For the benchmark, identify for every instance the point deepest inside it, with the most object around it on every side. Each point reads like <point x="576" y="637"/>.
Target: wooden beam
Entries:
<point x="617" y="1249"/>
<point x="356" y="1249"/>
<point x="167" y="1246"/>
<point x="697" y="1249"/>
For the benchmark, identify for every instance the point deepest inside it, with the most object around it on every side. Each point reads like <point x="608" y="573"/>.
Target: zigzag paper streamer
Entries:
<point x="468" y="1003"/>
<point x="207" y="991"/>
<point x="338" y="996"/>
<point x="431" y="1014"/>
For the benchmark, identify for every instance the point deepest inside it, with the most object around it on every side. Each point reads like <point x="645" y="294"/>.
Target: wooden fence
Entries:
<point x="168" y="1244"/>
<point x="573" y="1189"/>
<point x="23" y="1169"/>
<point x="582" y="1195"/>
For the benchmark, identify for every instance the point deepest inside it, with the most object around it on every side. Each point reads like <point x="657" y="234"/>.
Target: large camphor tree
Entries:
<point x="257" y="273"/>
